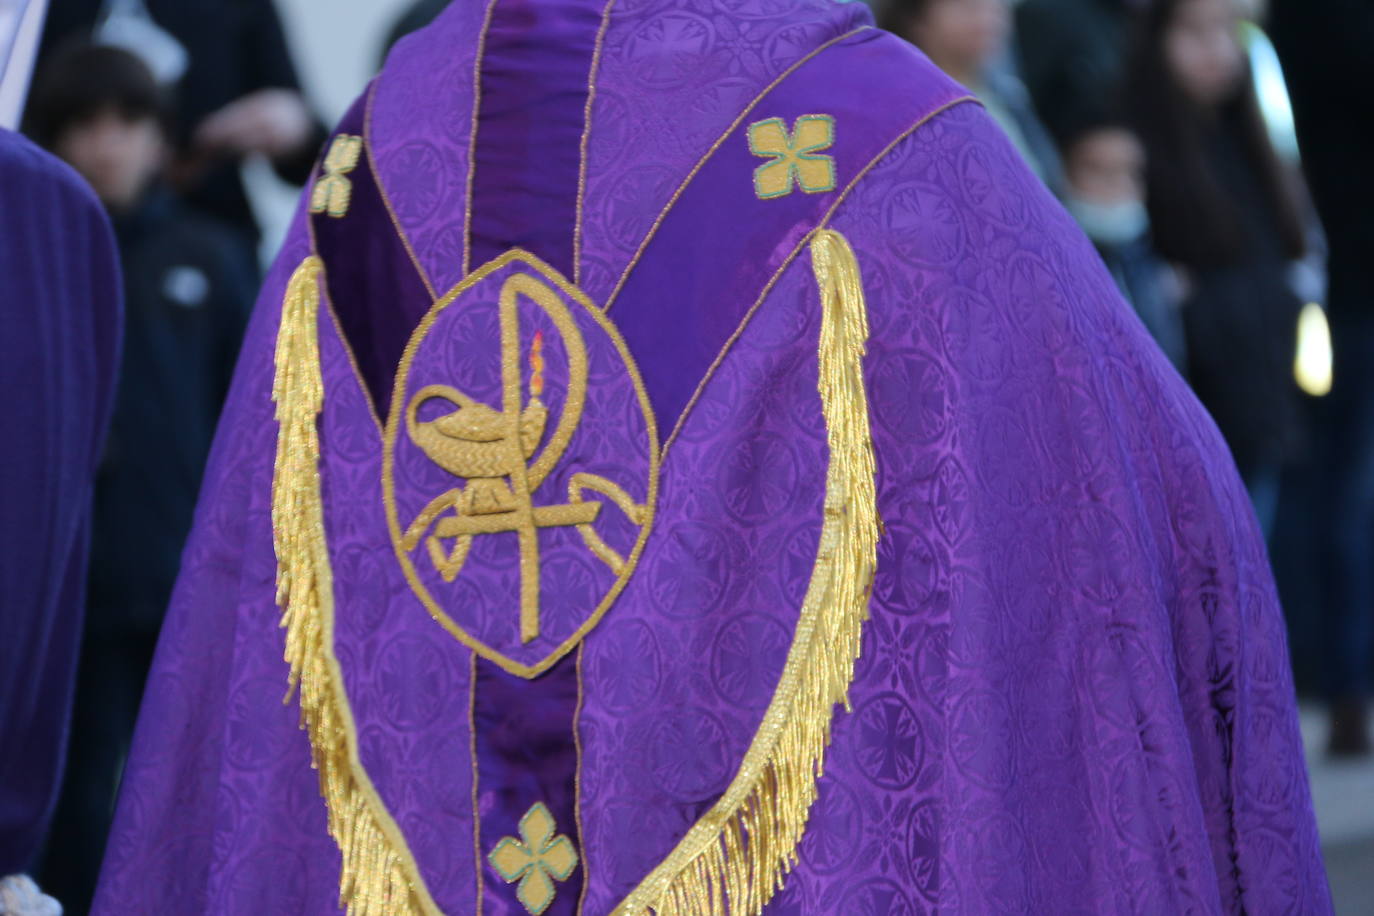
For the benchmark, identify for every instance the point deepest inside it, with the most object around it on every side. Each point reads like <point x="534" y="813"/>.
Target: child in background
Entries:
<point x="1104" y="173"/>
<point x="187" y="298"/>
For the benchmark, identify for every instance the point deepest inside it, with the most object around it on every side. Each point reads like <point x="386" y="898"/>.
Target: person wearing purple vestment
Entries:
<point x="683" y="462"/>
<point x="59" y="349"/>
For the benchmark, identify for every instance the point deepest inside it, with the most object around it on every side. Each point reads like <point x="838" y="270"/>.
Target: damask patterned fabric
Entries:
<point x="1073" y="694"/>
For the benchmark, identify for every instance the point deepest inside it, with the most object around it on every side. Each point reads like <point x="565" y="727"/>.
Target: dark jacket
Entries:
<point x="187" y="305"/>
<point x="1241" y="320"/>
<point x="235" y="47"/>
<point x="1071" y="54"/>
<point x="1325" y="49"/>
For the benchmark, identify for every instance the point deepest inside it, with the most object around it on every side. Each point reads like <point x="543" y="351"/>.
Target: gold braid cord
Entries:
<point x="379" y="877"/>
<point x="736" y="856"/>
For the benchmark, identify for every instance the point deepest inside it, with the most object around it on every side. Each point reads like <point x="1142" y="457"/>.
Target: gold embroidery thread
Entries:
<point x="711" y="151"/>
<point x="840" y="199"/>
<point x="489" y="450"/>
<point x="736" y="856"/>
<point x="379" y="875"/>
<point x="333" y="190"/>
<point x="536" y="859"/>
<point x="796" y="157"/>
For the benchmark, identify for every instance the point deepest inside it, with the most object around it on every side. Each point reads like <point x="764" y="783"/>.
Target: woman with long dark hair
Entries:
<point x="1224" y="213"/>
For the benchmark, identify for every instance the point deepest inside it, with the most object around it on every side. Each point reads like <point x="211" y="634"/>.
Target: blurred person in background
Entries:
<point x="1225" y="214"/>
<point x="1327" y="48"/>
<point x="59" y="282"/>
<point x="1071" y="51"/>
<point x="101" y="110"/>
<point x="416" y="17"/>
<point x="1104" y="191"/>
<point x="237" y="92"/>
<point x="967" y="39"/>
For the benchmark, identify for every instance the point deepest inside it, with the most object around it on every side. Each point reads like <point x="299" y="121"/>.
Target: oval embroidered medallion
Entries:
<point x="521" y="463"/>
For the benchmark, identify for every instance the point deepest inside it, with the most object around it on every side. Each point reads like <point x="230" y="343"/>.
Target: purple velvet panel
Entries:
<point x="376" y="291"/>
<point x="674" y="74"/>
<point x="719" y="244"/>
<point x="529" y="129"/>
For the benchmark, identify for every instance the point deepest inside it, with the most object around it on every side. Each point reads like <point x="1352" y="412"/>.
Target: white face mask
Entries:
<point x="1109" y="224"/>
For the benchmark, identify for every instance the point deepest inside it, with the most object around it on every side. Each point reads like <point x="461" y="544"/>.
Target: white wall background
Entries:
<point x="337" y="44"/>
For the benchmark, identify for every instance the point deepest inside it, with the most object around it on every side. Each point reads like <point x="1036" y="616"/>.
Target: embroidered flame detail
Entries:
<point x="537" y="366"/>
<point x="736" y="856"/>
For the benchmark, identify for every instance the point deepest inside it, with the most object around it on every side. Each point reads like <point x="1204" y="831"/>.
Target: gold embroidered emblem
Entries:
<point x="498" y="439"/>
<point x="333" y="190"/>
<point x="794" y="157"/>
<point x="536" y="859"/>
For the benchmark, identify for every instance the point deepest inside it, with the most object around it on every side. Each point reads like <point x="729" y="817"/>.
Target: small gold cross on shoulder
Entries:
<point x="795" y="157"/>
<point x="333" y="191"/>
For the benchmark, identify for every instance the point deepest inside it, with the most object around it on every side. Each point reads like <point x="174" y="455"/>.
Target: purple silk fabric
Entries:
<point x="529" y="131"/>
<point x="1074" y="693"/>
<point x="721" y="259"/>
<point x="59" y="281"/>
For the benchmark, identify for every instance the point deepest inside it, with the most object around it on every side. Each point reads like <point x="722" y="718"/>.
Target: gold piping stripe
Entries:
<point x="736" y="856"/>
<point x="720" y="141"/>
<point x="472" y="137"/>
<point x="586" y="139"/>
<point x="379" y="876"/>
<point x="577" y="782"/>
<point x="476" y="813"/>
<point x="787" y="262"/>
<point x="338" y="330"/>
<point x="386" y="198"/>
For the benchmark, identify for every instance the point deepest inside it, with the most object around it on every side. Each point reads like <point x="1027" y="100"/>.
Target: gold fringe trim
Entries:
<point x="736" y="856"/>
<point x="379" y="877"/>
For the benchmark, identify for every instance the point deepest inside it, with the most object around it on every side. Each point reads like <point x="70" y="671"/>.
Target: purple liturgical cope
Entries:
<point x="59" y="347"/>
<point x="573" y="466"/>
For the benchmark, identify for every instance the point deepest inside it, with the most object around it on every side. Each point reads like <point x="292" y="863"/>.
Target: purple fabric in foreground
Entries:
<point x="59" y="281"/>
<point x="1074" y="694"/>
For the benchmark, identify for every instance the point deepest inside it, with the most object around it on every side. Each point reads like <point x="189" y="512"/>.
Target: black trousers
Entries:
<point x="1347" y="554"/>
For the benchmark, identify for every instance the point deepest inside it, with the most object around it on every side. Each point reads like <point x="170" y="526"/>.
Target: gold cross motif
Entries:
<point x="793" y="157"/>
<point x="333" y="191"/>
<point x="536" y="859"/>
